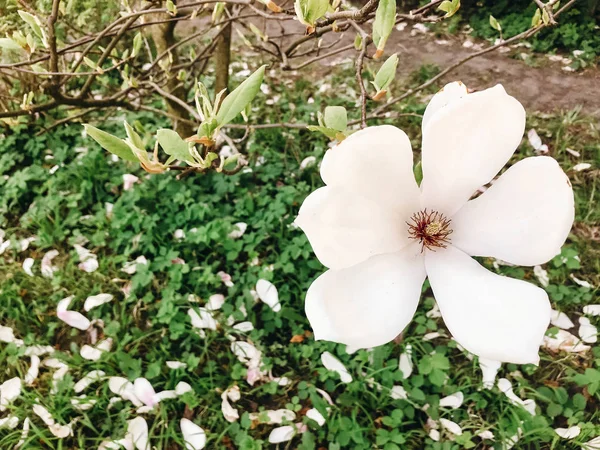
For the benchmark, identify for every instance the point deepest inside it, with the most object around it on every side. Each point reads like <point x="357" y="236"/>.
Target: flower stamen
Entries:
<point x="431" y="229"/>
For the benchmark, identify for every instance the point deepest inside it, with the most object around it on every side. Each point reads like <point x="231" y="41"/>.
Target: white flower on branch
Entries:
<point x="380" y="234"/>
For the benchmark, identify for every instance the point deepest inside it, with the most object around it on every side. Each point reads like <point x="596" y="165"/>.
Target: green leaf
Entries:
<point x="35" y="25"/>
<point x="173" y="145"/>
<point x="495" y="24"/>
<point x="137" y="44"/>
<point x="9" y="44"/>
<point x="336" y="118"/>
<point x="385" y="17"/>
<point x="237" y="100"/>
<point x="111" y="143"/>
<point x="449" y="7"/>
<point x="386" y="73"/>
<point x="133" y="137"/>
<point x="545" y="17"/>
<point x="537" y="18"/>
<point x="309" y="11"/>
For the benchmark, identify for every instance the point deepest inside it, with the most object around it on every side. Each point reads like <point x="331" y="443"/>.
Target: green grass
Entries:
<point x="150" y="325"/>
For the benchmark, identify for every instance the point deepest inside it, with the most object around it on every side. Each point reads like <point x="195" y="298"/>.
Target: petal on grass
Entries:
<point x="193" y="435"/>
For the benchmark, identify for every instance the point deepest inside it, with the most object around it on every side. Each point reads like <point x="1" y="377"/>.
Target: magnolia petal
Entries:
<point x="215" y="302"/>
<point x="282" y="434"/>
<point x="182" y="388"/>
<point x="174" y="365"/>
<point x="494" y="317"/>
<point x="448" y="94"/>
<point x="315" y="415"/>
<point x="332" y="363"/>
<point x="587" y="332"/>
<point x="238" y="230"/>
<point x="193" y="435"/>
<point x="96" y="300"/>
<point x="592" y="310"/>
<point x="466" y="143"/>
<point x="368" y="304"/>
<point x="398" y="393"/>
<point x="405" y="363"/>
<point x="46" y="266"/>
<point x="90" y="353"/>
<point x="9" y="391"/>
<point x="229" y="412"/>
<point x="74" y="319"/>
<point x="452" y="401"/>
<point x="34" y="370"/>
<point x="145" y="392"/>
<point x="561" y="320"/>
<point x="27" y="265"/>
<point x="276" y="416"/>
<point x="247" y="353"/>
<point x="565" y="341"/>
<point x="568" y="433"/>
<point x="88" y="379"/>
<point x="202" y="318"/>
<point x="244" y="327"/>
<point x="9" y="422"/>
<point x="345" y="228"/>
<point x="594" y="444"/>
<point x="268" y="294"/>
<point x="451" y="427"/>
<point x="489" y="370"/>
<point x="376" y="163"/>
<point x="137" y="430"/>
<point x="523" y="218"/>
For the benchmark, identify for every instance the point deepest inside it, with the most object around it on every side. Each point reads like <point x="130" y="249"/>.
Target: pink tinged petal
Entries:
<point x="74" y="319"/>
<point x="494" y="317"/>
<point x="137" y="431"/>
<point x="448" y="94"/>
<point x="524" y="218"/>
<point x="46" y="266"/>
<point x="335" y="365"/>
<point x="489" y="370"/>
<point x="376" y="163"/>
<point x="94" y="301"/>
<point x="282" y="434"/>
<point x="193" y="435"/>
<point x="215" y="302"/>
<point x="368" y="304"/>
<point x="267" y="292"/>
<point x="466" y="143"/>
<point x="345" y="228"/>
<point x="145" y="392"/>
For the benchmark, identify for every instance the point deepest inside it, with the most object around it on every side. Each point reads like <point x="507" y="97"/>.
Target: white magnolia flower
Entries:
<point x="267" y="292"/>
<point x="193" y="435"/>
<point x="380" y="234"/>
<point x="71" y="318"/>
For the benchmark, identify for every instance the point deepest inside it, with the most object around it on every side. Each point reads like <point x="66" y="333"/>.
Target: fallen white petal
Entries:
<point x="332" y="363"/>
<point x="568" y="433"/>
<point x="215" y="302"/>
<point x="38" y="350"/>
<point x="88" y="379"/>
<point x="315" y="415"/>
<point x="244" y="327"/>
<point x="587" y="332"/>
<point x="486" y="434"/>
<point x="594" y="444"/>
<point x="9" y="391"/>
<point x="145" y="392"/>
<point x="9" y="422"/>
<point x="174" y="365"/>
<point x="96" y="300"/>
<point x="581" y="283"/>
<point x="182" y="387"/>
<point x="246" y="353"/>
<point x="82" y="403"/>
<point x="128" y="181"/>
<point x="229" y="412"/>
<point x="202" y="319"/>
<point x="398" y="393"/>
<point x="506" y="388"/>
<point x="277" y="416"/>
<point x="592" y="310"/>
<point x="452" y="401"/>
<point x="541" y="275"/>
<point x="451" y="427"/>
<point x="193" y="435"/>
<point x="434" y="434"/>
<point x="71" y="318"/>
<point x="34" y="370"/>
<point x="225" y="278"/>
<point x="561" y="320"/>
<point x="89" y="265"/>
<point x="282" y="434"/>
<point x="581" y="166"/>
<point x="268" y="294"/>
<point x="46" y="266"/>
<point x="24" y="433"/>
<point x="564" y="341"/>
<point x="27" y="265"/>
<point x="238" y="231"/>
<point x="131" y="266"/>
<point x="137" y="429"/>
<point x="405" y="364"/>
<point x="307" y="162"/>
<point x="179" y="234"/>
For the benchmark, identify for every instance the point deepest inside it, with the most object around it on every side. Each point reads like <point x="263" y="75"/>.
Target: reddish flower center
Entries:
<point x="430" y="228"/>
